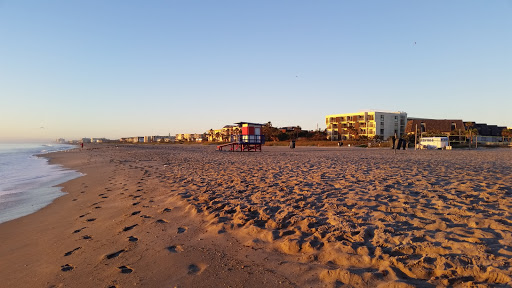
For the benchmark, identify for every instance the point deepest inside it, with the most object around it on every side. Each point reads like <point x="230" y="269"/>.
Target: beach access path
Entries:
<point x="190" y="216"/>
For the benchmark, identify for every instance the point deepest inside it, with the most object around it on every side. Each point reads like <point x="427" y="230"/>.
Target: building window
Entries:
<point x="381" y="123"/>
<point x="454" y="126"/>
<point x="422" y="127"/>
<point x="382" y="132"/>
<point x="381" y="117"/>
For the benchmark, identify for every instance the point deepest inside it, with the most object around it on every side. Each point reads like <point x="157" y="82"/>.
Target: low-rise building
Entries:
<point x="189" y="137"/>
<point x="435" y="126"/>
<point x="371" y="124"/>
<point x="99" y="140"/>
<point x="224" y="134"/>
<point x="486" y="129"/>
<point x="290" y="129"/>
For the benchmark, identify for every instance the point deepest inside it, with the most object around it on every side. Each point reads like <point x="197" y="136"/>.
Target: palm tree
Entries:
<point x="506" y="133"/>
<point x="352" y="130"/>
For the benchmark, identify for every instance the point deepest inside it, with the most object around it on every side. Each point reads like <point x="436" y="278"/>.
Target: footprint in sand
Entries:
<point x="91" y="219"/>
<point x="115" y="254"/>
<point x="193" y="269"/>
<point x="96" y="203"/>
<point x="136" y="203"/>
<point x="135" y="213"/>
<point x="66" y="268"/>
<point x="128" y="228"/>
<point x="83" y="215"/>
<point x="133" y="239"/>
<point x="87" y="237"/>
<point x="166" y="210"/>
<point x="182" y="230"/>
<point x="175" y="248"/>
<point x="145" y="216"/>
<point x="79" y="230"/>
<point x="162" y="221"/>
<point x="72" y="251"/>
<point x="125" y="269"/>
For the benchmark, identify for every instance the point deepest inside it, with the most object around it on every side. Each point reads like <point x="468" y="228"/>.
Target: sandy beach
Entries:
<point x="190" y="216"/>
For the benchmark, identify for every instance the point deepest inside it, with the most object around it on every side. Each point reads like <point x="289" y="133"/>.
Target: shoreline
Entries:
<point x="39" y="190"/>
<point x="195" y="217"/>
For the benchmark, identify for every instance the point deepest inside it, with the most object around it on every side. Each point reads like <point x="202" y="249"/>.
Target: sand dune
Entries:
<point x="165" y="215"/>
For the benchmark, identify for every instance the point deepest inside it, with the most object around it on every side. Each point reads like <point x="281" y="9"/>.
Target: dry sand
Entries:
<point x="190" y="216"/>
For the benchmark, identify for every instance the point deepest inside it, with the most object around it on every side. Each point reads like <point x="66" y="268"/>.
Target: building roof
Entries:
<point x="241" y="123"/>
<point x="369" y="112"/>
<point x="441" y="125"/>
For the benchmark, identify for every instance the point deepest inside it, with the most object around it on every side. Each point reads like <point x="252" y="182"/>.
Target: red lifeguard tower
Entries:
<point x="251" y="138"/>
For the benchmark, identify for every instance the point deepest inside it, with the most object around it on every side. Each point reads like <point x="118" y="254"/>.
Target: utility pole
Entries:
<point x="394" y="144"/>
<point x="470" y="139"/>
<point x="415" y="137"/>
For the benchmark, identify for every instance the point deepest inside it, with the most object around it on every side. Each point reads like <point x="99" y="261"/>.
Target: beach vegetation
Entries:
<point x="352" y="133"/>
<point x="409" y="137"/>
<point x="271" y="133"/>
<point x="433" y="133"/>
<point x="376" y="138"/>
<point x="507" y="134"/>
<point x="471" y="131"/>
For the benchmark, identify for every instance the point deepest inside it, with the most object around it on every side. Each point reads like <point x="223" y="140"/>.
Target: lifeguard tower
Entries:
<point x="251" y="138"/>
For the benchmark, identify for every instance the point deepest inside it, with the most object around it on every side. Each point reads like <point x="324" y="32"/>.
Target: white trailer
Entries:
<point x="434" y="143"/>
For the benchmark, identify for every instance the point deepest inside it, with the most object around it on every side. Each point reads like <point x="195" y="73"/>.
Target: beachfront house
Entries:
<point x="486" y="129"/>
<point x="437" y="127"/>
<point x="372" y="124"/>
<point x="189" y="137"/>
<point x="224" y="134"/>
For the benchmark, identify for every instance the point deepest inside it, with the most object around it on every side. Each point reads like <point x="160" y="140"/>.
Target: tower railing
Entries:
<point x="248" y="139"/>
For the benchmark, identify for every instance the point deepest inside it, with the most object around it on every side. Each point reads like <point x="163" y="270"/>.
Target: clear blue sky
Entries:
<point x="110" y="69"/>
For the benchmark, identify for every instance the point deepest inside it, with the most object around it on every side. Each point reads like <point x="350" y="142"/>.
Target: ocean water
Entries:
<point x="26" y="181"/>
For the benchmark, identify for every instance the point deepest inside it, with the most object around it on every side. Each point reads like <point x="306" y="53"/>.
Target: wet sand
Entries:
<point x="190" y="216"/>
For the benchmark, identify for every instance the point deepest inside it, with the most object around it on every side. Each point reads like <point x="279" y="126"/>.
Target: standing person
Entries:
<point x="82" y="145"/>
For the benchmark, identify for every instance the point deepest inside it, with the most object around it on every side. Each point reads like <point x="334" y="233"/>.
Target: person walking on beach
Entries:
<point x="81" y="145"/>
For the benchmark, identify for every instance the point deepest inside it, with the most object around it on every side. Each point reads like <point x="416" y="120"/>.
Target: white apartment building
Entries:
<point x="366" y="123"/>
